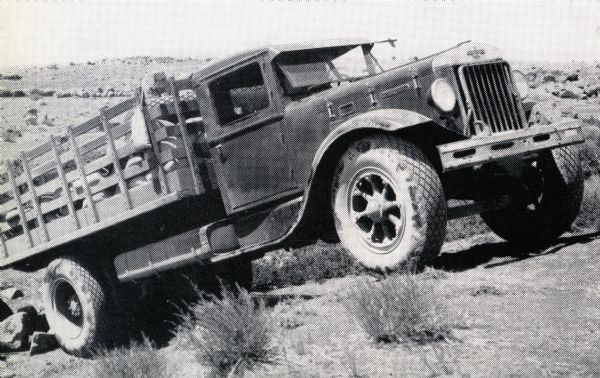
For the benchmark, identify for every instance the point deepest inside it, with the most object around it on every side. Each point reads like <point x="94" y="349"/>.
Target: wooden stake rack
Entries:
<point x="95" y="177"/>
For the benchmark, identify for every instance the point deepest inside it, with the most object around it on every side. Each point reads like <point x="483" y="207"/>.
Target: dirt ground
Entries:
<point x="535" y="315"/>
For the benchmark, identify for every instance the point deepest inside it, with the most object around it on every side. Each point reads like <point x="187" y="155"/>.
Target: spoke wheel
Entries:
<point x="388" y="204"/>
<point x="376" y="210"/>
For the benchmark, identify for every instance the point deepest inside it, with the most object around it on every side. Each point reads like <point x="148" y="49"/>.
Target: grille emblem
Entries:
<point x="476" y="53"/>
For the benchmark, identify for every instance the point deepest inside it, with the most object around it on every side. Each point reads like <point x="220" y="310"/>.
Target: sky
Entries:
<point x="52" y="31"/>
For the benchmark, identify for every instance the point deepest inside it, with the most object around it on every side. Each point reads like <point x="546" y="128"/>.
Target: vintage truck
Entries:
<point x="279" y="147"/>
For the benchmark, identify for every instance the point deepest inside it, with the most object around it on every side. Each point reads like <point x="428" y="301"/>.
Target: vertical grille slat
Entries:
<point x="503" y="94"/>
<point x="488" y="86"/>
<point x="483" y="105"/>
<point x="476" y="99"/>
<point x="495" y="123"/>
<point x="504" y="125"/>
<point x="510" y="98"/>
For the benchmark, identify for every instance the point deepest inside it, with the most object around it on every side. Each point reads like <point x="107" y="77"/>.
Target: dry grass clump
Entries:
<point x="139" y="360"/>
<point x="316" y="263"/>
<point x="231" y="333"/>
<point x="402" y="308"/>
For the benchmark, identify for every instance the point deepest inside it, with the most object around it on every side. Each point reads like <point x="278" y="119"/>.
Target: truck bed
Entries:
<point x="95" y="177"/>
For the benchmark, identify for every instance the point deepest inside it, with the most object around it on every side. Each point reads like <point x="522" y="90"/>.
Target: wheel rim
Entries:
<point x="67" y="309"/>
<point x="375" y="210"/>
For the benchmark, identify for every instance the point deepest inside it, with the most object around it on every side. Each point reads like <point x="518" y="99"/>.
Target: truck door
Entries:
<point x="245" y="136"/>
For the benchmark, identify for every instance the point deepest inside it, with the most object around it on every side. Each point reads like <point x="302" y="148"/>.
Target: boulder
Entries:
<point x="549" y="78"/>
<point x="5" y="311"/>
<point x="572" y="77"/>
<point x="11" y="293"/>
<point x="15" y="331"/>
<point x="42" y="342"/>
<point x="592" y="90"/>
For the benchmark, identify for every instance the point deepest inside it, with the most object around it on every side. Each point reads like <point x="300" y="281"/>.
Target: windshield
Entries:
<point x="304" y="72"/>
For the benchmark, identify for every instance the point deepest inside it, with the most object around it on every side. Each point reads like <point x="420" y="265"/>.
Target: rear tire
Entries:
<point x="76" y="306"/>
<point x="548" y="203"/>
<point x="388" y="204"/>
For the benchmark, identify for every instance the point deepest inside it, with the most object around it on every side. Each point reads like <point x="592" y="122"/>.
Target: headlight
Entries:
<point x="521" y="83"/>
<point x="443" y="95"/>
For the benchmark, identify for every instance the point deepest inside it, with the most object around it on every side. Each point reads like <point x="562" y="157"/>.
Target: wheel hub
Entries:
<point x="74" y="306"/>
<point x="376" y="210"/>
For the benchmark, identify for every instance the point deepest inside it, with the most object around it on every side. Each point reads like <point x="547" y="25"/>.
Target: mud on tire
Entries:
<point x="388" y="203"/>
<point x="76" y="306"/>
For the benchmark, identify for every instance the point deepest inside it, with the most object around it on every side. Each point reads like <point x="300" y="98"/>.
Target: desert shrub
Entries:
<point x="139" y="360"/>
<point x="231" y="333"/>
<point x="402" y="308"/>
<point x="18" y="93"/>
<point x="317" y="263"/>
<point x="11" y="77"/>
<point x="589" y="215"/>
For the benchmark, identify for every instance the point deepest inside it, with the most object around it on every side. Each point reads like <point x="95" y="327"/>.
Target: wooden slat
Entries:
<point x="116" y="163"/>
<point x="4" y="249"/>
<point x="108" y="182"/>
<point x="81" y="168"/>
<point x="68" y="157"/>
<point x="85" y="127"/>
<point x="162" y="178"/>
<point x="184" y="137"/>
<point x="17" y="197"/>
<point x="91" y="167"/>
<point x="36" y="204"/>
<point x="61" y="173"/>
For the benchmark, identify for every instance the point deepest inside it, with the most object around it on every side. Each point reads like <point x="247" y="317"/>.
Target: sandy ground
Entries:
<point x="531" y="316"/>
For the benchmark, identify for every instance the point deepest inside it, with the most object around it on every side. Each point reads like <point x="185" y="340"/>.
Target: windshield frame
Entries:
<point x="327" y="55"/>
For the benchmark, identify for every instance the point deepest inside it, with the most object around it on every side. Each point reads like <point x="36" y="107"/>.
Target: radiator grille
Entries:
<point x="489" y="95"/>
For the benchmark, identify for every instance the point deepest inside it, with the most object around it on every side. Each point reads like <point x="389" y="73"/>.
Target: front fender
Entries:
<point x="383" y="119"/>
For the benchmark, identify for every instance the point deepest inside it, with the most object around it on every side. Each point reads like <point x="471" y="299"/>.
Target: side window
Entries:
<point x="239" y="94"/>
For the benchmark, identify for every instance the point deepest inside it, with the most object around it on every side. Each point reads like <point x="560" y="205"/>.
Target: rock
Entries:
<point x="15" y="331"/>
<point x="31" y="120"/>
<point x="38" y="318"/>
<point x="42" y="342"/>
<point x="11" y="293"/>
<point x="592" y="90"/>
<point x="549" y="78"/>
<point x="5" y="311"/>
<point x="572" y="77"/>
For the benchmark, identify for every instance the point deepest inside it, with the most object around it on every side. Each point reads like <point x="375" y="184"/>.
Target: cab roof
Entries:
<point x="273" y="51"/>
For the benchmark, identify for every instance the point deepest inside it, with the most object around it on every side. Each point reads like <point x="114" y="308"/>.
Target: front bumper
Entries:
<point x="476" y="151"/>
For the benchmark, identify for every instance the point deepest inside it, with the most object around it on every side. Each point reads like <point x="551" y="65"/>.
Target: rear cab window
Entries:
<point x="239" y="95"/>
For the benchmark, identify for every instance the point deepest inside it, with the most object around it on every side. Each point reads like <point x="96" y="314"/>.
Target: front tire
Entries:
<point x="76" y="306"/>
<point x="547" y="204"/>
<point x="388" y="204"/>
